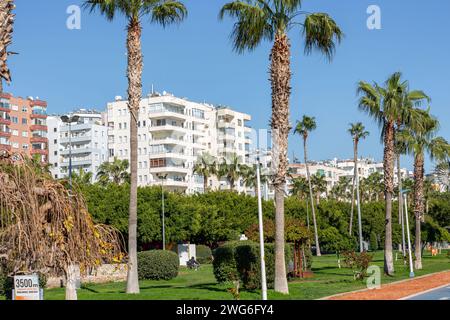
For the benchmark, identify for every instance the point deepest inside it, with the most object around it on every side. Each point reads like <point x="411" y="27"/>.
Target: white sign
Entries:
<point x="26" y="287"/>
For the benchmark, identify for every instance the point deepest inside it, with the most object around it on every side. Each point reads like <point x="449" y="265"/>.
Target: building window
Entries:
<point x="120" y="126"/>
<point x="124" y="125"/>
<point x="15" y="133"/>
<point x="24" y="109"/>
<point x="55" y="141"/>
<point x="55" y="153"/>
<point x="15" y="145"/>
<point x="24" y="120"/>
<point x="25" y="134"/>
<point x="15" y="120"/>
<point x="55" y="130"/>
<point x="25" y="146"/>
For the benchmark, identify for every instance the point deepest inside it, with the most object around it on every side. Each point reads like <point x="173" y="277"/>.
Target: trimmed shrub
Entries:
<point x="224" y="263"/>
<point x="204" y="254"/>
<point x="157" y="265"/>
<point x="249" y="267"/>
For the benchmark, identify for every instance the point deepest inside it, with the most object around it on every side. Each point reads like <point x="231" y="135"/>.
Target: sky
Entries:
<point x="87" y="67"/>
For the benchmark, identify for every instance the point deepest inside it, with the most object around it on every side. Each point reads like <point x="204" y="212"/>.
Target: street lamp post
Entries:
<point x="405" y="196"/>
<point x="261" y="230"/>
<point x="69" y="120"/>
<point x="162" y="178"/>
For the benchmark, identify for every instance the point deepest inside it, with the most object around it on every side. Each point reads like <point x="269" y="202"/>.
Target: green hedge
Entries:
<point x="249" y="267"/>
<point x="241" y="261"/>
<point x="204" y="254"/>
<point x="157" y="265"/>
<point x="224" y="263"/>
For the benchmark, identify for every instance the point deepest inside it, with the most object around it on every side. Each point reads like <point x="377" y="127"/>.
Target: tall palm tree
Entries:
<point x="300" y="188"/>
<point x="358" y="132"/>
<point x="206" y="165"/>
<point x="116" y="171"/>
<point x="230" y="168"/>
<point x="163" y="12"/>
<point x="385" y="104"/>
<point x="6" y="30"/>
<point x="303" y="128"/>
<point x="419" y="138"/>
<point x="270" y="20"/>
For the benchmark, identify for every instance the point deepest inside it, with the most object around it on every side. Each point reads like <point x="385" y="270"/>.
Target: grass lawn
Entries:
<point x="201" y="285"/>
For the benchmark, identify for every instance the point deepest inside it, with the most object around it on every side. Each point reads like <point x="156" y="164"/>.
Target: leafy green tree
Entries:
<point x="258" y="20"/>
<point x="116" y="172"/>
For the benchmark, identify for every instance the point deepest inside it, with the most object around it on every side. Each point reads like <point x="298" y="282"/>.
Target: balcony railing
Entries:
<point x="5" y="106"/>
<point x="38" y="127"/>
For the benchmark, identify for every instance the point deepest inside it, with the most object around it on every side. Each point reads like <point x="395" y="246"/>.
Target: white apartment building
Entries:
<point x="88" y="140"/>
<point x="172" y="133"/>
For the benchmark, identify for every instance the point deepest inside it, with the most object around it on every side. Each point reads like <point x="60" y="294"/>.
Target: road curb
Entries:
<point x="424" y="292"/>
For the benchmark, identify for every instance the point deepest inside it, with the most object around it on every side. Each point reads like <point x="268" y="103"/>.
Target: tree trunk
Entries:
<point x="134" y="74"/>
<point x="388" y="191"/>
<point x="280" y="76"/>
<point x="205" y="183"/>
<point x="418" y="206"/>
<point x="355" y="159"/>
<point x="71" y="278"/>
<point x="313" y="210"/>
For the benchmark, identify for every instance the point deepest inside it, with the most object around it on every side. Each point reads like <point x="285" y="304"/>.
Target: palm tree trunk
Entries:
<point x="361" y="248"/>
<point x="134" y="74"/>
<point x="353" y="190"/>
<point x="313" y="210"/>
<point x="418" y="207"/>
<point x="205" y="183"/>
<point x="388" y="191"/>
<point x="280" y="77"/>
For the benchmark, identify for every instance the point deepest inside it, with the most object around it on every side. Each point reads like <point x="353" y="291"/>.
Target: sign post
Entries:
<point x="26" y="287"/>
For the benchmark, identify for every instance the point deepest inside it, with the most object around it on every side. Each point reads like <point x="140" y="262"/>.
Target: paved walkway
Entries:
<point x="400" y="289"/>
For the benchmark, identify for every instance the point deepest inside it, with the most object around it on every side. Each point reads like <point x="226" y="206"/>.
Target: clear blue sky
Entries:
<point x="86" y="68"/>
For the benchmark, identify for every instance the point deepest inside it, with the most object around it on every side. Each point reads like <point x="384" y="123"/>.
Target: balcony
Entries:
<point x="38" y="103"/>
<point x="226" y="124"/>
<point x="38" y="114"/>
<point x="39" y="151"/>
<point x="168" y="154"/>
<point x="75" y="151"/>
<point x="167" y="127"/>
<point x="5" y="134"/>
<point x="76" y="162"/>
<point x="77" y="127"/>
<point x="85" y="138"/>
<point x="168" y="140"/>
<point x="226" y="136"/>
<point x="6" y="147"/>
<point x="170" y="168"/>
<point x="5" y="121"/>
<point x="39" y="140"/>
<point x="38" y="127"/>
<point x="171" y="183"/>
<point x="6" y="107"/>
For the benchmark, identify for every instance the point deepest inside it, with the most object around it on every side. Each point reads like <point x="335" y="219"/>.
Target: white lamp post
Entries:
<point x="411" y="270"/>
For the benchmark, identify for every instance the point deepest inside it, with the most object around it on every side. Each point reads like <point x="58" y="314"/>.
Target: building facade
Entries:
<point x="172" y="133"/>
<point x="23" y="126"/>
<point x="86" y="141"/>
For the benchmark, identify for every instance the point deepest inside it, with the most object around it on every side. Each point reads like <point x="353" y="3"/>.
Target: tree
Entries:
<point x="116" y="171"/>
<point x="82" y="177"/>
<point x="6" y="30"/>
<point x="163" y="12"/>
<point x="303" y="129"/>
<point x="340" y="189"/>
<point x="46" y="229"/>
<point x="442" y="172"/>
<point x="230" y="169"/>
<point x="206" y="166"/>
<point x="357" y="131"/>
<point x="385" y="105"/>
<point x="270" y="20"/>
<point x="419" y="138"/>
<point x="301" y="190"/>
<point x="319" y="184"/>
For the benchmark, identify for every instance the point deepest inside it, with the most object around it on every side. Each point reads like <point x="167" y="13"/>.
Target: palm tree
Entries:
<point x="205" y="166"/>
<point x="419" y="138"/>
<point x="319" y="184"/>
<point x="303" y="129"/>
<point x="6" y="30"/>
<point x="163" y="12"/>
<point x="357" y="131"/>
<point x="116" y="171"/>
<point x="270" y="20"/>
<point x="442" y="172"/>
<point x="82" y="177"/>
<point x="230" y="169"/>
<point x="386" y="105"/>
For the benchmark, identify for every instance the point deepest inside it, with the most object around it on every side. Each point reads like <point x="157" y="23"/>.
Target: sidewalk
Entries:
<point x="398" y="290"/>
